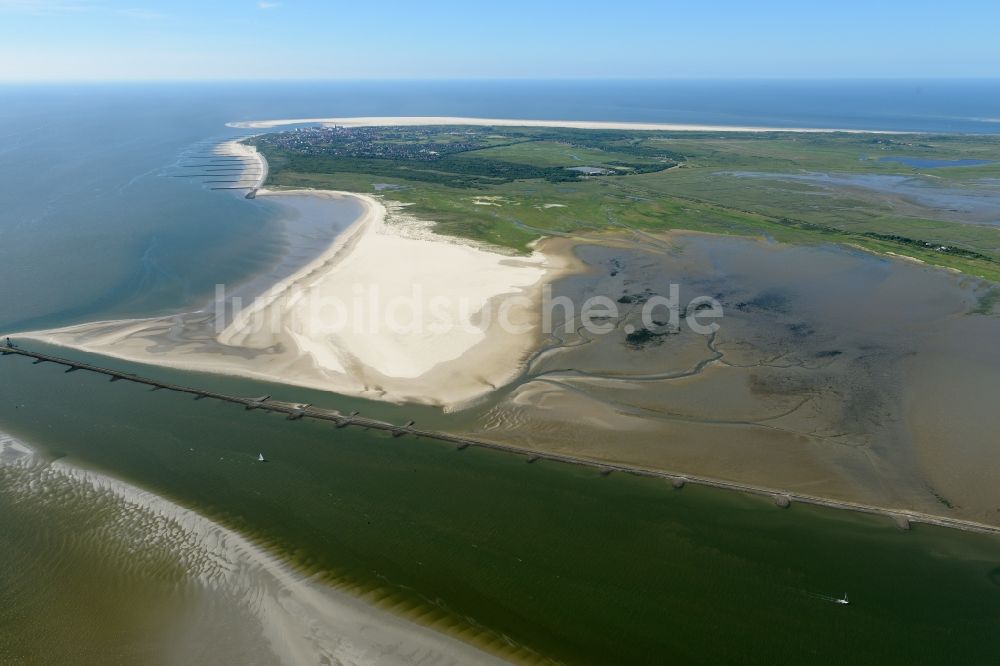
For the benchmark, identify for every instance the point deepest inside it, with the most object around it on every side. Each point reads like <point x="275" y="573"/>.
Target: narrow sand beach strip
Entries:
<point x="301" y="621"/>
<point x="255" y="166"/>
<point x="417" y="121"/>
<point x="389" y="311"/>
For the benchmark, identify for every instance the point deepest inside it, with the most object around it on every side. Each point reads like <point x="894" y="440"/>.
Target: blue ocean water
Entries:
<point x="91" y="224"/>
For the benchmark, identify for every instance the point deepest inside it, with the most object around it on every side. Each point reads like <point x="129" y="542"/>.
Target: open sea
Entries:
<point x="545" y="561"/>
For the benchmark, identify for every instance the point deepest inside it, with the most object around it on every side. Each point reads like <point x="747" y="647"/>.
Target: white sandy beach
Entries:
<point x="416" y="121"/>
<point x="388" y="311"/>
<point x="301" y="621"/>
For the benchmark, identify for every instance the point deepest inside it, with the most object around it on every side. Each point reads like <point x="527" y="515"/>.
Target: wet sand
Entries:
<point x="196" y="591"/>
<point x="951" y="402"/>
<point x="254" y="173"/>
<point x="835" y="373"/>
<point x="387" y="311"/>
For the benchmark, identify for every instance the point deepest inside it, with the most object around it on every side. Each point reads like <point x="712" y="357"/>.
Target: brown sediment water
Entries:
<point x="536" y="562"/>
<point x="834" y="373"/>
<point x="94" y="569"/>
<point x="90" y="574"/>
<point x="294" y="411"/>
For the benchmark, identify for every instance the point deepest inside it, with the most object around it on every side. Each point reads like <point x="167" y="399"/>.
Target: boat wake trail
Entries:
<point x="843" y="601"/>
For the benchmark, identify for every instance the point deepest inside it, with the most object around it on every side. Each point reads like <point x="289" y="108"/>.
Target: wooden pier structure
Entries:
<point x="295" y="411"/>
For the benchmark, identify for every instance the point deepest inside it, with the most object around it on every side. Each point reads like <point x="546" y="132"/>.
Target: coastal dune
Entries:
<point x="388" y="311"/>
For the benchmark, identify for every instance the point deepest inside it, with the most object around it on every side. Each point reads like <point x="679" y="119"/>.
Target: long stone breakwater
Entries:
<point x="294" y="411"/>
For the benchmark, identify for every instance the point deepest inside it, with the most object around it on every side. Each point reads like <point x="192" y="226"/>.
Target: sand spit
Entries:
<point x="416" y="121"/>
<point x="388" y="311"/>
<point x="303" y="622"/>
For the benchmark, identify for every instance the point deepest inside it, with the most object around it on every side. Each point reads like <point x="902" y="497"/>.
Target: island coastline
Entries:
<point x="275" y="339"/>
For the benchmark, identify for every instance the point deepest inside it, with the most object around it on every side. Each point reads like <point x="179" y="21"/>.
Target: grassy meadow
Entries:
<point x="515" y="185"/>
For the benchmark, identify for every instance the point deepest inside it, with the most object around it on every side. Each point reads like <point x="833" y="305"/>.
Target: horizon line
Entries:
<point x="509" y="79"/>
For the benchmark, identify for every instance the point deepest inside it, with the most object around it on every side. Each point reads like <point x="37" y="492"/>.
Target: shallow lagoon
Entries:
<point x="975" y="203"/>
<point x="927" y="163"/>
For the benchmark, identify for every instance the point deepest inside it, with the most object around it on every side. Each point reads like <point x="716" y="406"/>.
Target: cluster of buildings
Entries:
<point x="405" y="143"/>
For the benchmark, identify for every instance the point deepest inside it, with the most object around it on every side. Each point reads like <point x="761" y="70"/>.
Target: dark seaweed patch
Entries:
<point x="770" y="300"/>
<point x="800" y="330"/>
<point x="644" y="338"/>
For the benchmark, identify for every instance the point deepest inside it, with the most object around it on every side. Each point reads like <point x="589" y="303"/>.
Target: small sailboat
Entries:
<point x="843" y="600"/>
<point x="260" y="458"/>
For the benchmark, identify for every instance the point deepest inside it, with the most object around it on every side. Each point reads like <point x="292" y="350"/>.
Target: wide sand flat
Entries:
<point x="388" y="311"/>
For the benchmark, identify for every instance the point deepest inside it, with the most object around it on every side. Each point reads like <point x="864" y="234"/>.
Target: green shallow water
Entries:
<point x="553" y="558"/>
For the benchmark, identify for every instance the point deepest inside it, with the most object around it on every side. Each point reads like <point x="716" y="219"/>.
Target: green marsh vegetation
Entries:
<point x="511" y="186"/>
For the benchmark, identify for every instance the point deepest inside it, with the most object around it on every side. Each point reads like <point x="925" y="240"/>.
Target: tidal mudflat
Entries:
<point x="833" y="372"/>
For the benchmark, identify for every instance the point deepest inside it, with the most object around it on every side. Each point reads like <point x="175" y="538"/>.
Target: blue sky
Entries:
<point x="387" y="39"/>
